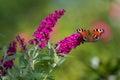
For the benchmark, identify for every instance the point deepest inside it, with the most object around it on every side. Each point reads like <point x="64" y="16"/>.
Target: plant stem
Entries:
<point x="31" y="58"/>
<point x="1" y="77"/>
<point x="49" y="73"/>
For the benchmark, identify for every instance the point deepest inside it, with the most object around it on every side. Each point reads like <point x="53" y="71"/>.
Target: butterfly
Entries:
<point x="91" y="36"/>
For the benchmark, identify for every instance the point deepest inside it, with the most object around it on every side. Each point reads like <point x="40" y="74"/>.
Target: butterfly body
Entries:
<point x="91" y="36"/>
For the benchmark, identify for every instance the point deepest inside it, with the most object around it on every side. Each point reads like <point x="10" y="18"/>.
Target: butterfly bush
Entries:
<point x="38" y="57"/>
<point x="42" y="34"/>
<point x="4" y="65"/>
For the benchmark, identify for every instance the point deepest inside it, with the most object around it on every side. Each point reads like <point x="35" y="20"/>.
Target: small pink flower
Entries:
<point x="70" y="42"/>
<point x="42" y="45"/>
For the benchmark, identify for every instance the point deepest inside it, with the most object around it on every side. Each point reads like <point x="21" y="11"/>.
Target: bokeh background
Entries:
<point x="91" y="60"/>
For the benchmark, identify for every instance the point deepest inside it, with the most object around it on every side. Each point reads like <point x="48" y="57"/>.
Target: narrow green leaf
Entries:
<point x="45" y="58"/>
<point x="12" y="57"/>
<point x="49" y="45"/>
<point x="36" y="76"/>
<point x="61" y="61"/>
<point x="4" y="49"/>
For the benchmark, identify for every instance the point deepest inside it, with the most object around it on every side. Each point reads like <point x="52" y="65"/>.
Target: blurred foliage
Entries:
<point x="15" y="13"/>
<point x="24" y="16"/>
<point x="33" y="61"/>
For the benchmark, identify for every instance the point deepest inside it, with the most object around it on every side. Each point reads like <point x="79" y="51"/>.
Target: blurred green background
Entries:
<point x="90" y="61"/>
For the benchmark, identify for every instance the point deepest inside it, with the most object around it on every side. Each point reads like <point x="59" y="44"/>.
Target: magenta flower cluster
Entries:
<point x="67" y="44"/>
<point x="4" y="65"/>
<point x="42" y="34"/>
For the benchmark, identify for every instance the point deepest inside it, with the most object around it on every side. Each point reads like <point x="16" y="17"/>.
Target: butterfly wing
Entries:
<point x="83" y="33"/>
<point x="96" y="34"/>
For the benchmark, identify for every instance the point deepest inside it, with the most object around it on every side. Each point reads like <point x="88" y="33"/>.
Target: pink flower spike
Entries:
<point x="70" y="42"/>
<point x="42" y="34"/>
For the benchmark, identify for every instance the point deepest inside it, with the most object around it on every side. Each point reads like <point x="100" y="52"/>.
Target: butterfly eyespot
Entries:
<point x="96" y="37"/>
<point x="85" y="38"/>
<point x="101" y="30"/>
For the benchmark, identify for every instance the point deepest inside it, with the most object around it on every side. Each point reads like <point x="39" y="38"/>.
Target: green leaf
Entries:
<point x="10" y="74"/>
<point x="22" y="61"/>
<point x="4" y="49"/>
<point x="17" y="69"/>
<point x="49" y="45"/>
<point x="50" y="78"/>
<point x="45" y="58"/>
<point x="61" y="61"/>
<point x="12" y="57"/>
<point x="35" y="76"/>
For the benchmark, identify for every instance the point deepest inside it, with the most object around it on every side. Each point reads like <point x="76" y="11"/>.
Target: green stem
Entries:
<point x="31" y="58"/>
<point x="49" y="72"/>
<point x="1" y="77"/>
